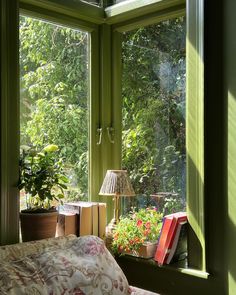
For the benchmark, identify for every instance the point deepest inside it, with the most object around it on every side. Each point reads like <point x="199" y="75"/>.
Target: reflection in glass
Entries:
<point x="153" y="92"/>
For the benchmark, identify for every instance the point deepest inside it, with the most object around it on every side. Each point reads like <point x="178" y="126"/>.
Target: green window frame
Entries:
<point x="105" y="27"/>
<point x="195" y="104"/>
<point x="56" y="13"/>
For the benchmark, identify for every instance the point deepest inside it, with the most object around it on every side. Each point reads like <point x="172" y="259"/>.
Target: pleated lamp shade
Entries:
<point x="117" y="183"/>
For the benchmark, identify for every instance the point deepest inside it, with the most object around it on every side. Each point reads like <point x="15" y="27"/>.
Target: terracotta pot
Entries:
<point x="147" y="250"/>
<point x="37" y="226"/>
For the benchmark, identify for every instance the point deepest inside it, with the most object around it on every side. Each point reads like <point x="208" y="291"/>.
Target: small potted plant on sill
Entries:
<point x="43" y="182"/>
<point x="137" y="234"/>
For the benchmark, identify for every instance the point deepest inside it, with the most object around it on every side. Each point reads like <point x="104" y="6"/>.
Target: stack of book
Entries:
<point x="82" y="218"/>
<point x="172" y="243"/>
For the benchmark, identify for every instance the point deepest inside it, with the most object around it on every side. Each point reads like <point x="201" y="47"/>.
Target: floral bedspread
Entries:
<point x="62" y="266"/>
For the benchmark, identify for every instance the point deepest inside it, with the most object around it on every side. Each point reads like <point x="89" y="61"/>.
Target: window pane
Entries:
<point x="153" y="92"/>
<point x="54" y="95"/>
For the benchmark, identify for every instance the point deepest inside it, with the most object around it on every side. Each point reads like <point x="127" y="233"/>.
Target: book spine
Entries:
<point x="95" y="219"/>
<point x="163" y="241"/>
<point x="102" y="216"/>
<point x="66" y="224"/>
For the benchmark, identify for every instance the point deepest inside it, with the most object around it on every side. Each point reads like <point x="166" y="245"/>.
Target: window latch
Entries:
<point x="99" y="133"/>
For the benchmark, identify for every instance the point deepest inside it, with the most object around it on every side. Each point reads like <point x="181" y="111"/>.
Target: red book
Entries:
<point x="180" y="217"/>
<point x="178" y="249"/>
<point x="167" y="235"/>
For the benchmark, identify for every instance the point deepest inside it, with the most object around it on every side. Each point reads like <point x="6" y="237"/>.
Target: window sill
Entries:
<point x="180" y="267"/>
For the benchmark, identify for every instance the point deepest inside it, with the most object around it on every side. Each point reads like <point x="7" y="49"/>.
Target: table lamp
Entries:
<point x="116" y="184"/>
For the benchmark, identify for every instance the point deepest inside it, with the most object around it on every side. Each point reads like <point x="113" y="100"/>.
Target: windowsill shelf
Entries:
<point x="180" y="267"/>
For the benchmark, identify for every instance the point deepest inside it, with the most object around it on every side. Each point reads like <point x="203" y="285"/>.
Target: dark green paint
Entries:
<point x="219" y="169"/>
<point x="9" y="205"/>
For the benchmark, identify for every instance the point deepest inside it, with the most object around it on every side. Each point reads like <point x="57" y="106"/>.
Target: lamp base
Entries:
<point x="109" y="233"/>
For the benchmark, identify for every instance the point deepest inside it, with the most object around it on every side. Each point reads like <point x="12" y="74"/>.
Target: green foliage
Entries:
<point x="41" y="177"/>
<point x="153" y="93"/>
<point x="137" y="228"/>
<point x="54" y="91"/>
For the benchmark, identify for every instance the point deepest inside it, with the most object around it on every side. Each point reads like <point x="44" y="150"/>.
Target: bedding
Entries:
<point x="67" y="265"/>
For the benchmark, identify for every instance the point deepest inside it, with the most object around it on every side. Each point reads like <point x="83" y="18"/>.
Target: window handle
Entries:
<point x="110" y="134"/>
<point x="99" y="133"/>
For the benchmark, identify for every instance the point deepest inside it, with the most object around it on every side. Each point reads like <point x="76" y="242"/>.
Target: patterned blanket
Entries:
<point x="62" y="266"/>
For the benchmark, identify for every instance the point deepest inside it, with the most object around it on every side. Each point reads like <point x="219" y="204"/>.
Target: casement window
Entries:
<point x="140" y="111"/>
<point x="128" y="38"/>
<point x="54" y="91"/>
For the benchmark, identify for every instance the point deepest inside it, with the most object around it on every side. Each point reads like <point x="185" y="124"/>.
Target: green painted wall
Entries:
<point x="9" y="124"/>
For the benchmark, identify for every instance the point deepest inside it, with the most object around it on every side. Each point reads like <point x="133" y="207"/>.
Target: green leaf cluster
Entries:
<point x="153" y="90"/>
<point x="41" y="176"/>
<point x="54" y="95"/>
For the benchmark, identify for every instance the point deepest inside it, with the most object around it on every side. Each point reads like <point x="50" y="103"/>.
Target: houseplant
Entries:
<point x="137" y="233"/>
<point x="43" y="181"/>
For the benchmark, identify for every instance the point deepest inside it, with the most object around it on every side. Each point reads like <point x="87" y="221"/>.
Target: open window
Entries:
<point x="131" y="35"/>
<point x="106" y="28"/>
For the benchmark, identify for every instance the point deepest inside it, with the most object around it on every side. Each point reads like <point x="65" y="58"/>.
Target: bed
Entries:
<point x="63" y="265"/>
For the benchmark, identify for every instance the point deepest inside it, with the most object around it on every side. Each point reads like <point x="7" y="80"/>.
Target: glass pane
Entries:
<point x="153" y="92"/>
<point x="54" y="96"/>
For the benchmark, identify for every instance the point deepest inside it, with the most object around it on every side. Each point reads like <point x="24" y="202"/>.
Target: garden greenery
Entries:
<point x="54" y="102"/>
<point x="41" y="177"/>
<point x="138" y="227"/>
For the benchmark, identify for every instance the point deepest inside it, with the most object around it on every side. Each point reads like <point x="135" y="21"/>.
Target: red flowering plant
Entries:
<point x="139" y="227"/>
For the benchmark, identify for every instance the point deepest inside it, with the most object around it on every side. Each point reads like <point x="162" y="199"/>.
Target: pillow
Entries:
<point x="83" y="266"/>
<point x="20" y="250"/>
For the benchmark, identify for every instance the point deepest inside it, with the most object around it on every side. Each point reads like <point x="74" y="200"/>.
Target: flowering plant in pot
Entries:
<point x="43" y="181"/>
<point x="137" y="233"/>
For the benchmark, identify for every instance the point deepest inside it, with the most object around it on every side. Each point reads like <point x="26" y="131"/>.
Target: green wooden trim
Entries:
<point x="194" y="272"/>
<point x="195" y="132"/>
<point x="94" y="107"/>
<point x="131" y="9"/>
<point x="231" y="224"/>
<point x="178" y="267"/>
<point x="56" y="17"/>
<point x="77" y="9"/>
<point x="230" y="130"/>
<point x="9" y="199"/>
<point x="117" y="97"/>
<point x="195" y="115"/>
<point x="93" y="104"/>
<point x="152" y="18"/>
<point x="146" y="274"/>
<point x="105" y="108"/>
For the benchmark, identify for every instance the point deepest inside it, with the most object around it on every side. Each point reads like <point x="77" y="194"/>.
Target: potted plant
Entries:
<point x="137" y="233"/>
<point x="43" y="182"/>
